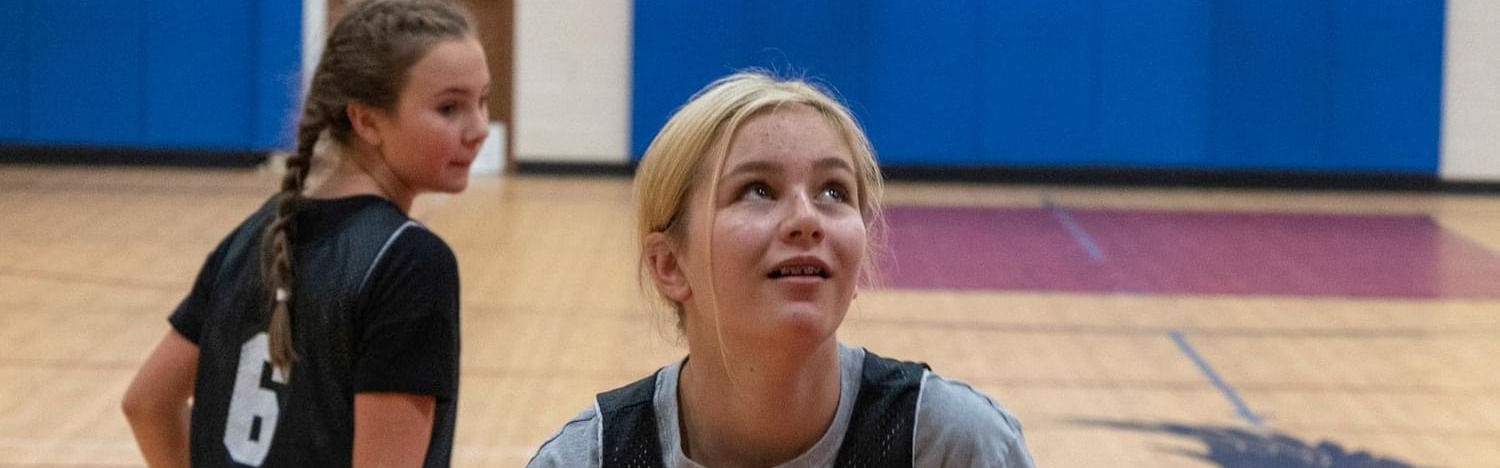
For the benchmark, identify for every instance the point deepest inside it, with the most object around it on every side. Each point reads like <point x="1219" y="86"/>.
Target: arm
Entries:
<point x="156" y="405"/>
<point x="406" y="374"/>
<point x="392" y="429"/>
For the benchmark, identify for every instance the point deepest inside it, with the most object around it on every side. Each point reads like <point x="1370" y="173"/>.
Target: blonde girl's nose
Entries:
<point x="802" y="223"/>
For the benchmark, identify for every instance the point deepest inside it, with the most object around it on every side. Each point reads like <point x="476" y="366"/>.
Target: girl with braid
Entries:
<point x="759" y="210"/>
<point x="323" y="331"/>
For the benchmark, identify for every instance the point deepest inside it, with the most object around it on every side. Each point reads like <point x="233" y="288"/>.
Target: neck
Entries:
<point x="361" y="173"/>
<point x="756" y="409"/>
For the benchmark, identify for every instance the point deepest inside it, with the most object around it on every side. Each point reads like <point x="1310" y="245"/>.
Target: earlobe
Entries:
<point x="365" y="121"/>
<point x="666" y="268"/>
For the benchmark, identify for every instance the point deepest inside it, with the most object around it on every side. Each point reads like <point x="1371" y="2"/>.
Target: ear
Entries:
<point x="366" y="121"/>
<point x="664" y="262"/>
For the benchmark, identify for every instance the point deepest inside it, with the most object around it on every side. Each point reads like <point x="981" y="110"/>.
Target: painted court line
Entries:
<point x="1213" y="377"/>
<point x="1080" y="236"/>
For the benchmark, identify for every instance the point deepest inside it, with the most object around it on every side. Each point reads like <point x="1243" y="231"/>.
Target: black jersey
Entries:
<point x="375" y="310"/>
<point x="880" y="434"/>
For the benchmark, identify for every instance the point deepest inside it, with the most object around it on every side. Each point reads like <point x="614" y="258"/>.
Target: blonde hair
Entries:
<point x="695" y="141"/>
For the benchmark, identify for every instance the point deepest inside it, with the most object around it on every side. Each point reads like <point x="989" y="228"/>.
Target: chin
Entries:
<point x="806" y="324"/>
<point x="455" y="186"/>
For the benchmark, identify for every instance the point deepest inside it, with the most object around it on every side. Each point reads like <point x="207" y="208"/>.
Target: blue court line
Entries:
<point x="1213" y="377"/>
<point x="1080" y="236"/>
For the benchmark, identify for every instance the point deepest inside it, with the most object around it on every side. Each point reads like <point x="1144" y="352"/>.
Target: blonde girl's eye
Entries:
<point x="756" y="191"/>
<point x="835" y="193"/>
<point x="448" y="109"/>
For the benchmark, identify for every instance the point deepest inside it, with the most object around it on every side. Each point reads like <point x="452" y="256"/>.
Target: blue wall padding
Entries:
<point x="85" y="76"/>
<point x="187" y="82"/>
<point x="13" y="40"/>
<point x="1387" y="100"/>
<point x="278" y="84"/>
<point x="169" y="74"/>
<point x="1039" y="102"/>
<point x="1270" y="85"/>
<point x="683" y="45"/>
<point x="951" y="44"/>
<point x="1326" y="85"/>
<point x="1155" y="94"/>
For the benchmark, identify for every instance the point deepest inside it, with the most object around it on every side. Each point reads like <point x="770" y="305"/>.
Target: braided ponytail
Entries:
<point x="365" y="60"/>
<point x="276" y="244"/>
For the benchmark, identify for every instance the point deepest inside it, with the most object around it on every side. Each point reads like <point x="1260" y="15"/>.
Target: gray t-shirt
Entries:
<point x="956" y="426"/>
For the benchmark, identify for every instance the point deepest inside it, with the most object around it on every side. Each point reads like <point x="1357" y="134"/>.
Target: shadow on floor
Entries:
<point x="1232" y="447"/>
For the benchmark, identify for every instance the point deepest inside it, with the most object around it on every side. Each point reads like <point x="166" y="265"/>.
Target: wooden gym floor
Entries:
<point x="1125" y="327"/>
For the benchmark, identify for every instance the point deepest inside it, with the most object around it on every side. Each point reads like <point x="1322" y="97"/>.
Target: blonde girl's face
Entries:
<point x="788" y="236"/>
<point x="441" y="118"/>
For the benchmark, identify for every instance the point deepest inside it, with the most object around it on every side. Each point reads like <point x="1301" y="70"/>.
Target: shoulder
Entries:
<point x="960" y="426"/>
<point x="374" y="225"/>
<point x="951" y="403"/>
<point x="576" y="444"/>
<point x="244" y="240"/>
<point x="413" y="241"/>
<point x="411" y="252"/>
<point x="235" y="257"/>
<point x="414" y="274"/>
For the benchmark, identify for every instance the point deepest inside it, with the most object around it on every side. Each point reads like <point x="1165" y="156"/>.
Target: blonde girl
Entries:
<point x="759" y="212"/>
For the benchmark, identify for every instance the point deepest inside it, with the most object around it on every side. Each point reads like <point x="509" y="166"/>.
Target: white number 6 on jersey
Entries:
<point x="252" y="408"/>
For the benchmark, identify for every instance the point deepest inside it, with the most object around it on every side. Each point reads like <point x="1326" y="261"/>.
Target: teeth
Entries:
<point x="799" y="271"/>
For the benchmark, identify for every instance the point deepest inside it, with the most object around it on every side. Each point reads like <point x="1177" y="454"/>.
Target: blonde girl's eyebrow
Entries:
<point x="834" y="163"/>
<point x="754" y="167"/>
<point x="767" y="167"/>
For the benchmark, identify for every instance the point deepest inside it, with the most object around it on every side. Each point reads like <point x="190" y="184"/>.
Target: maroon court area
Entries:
<point x="1152" y="252"/>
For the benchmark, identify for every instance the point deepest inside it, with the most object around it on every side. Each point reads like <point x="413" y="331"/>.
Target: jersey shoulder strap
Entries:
<point x="629" y="438"/>
<point x="883" y="426"/>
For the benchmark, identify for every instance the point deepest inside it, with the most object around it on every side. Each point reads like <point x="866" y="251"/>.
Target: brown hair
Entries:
<point x="366" y="61"/>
